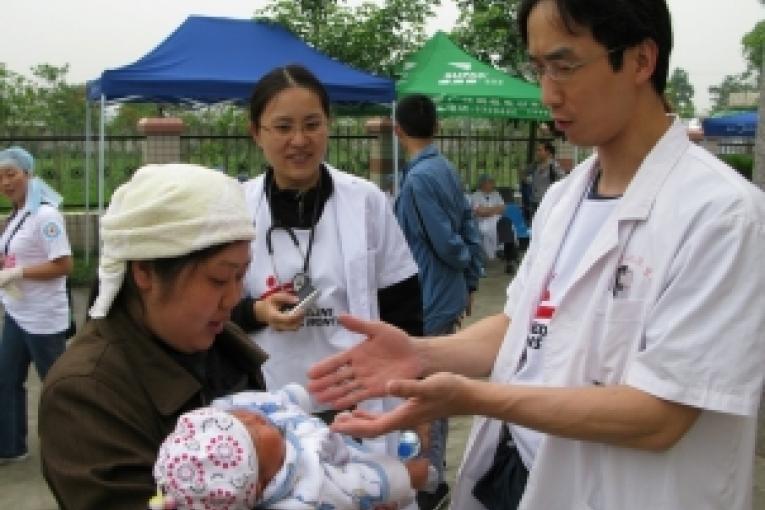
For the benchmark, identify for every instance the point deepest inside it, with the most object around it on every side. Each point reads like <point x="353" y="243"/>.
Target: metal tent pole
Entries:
<point x="470" y="165"/>
<point x="101" y="149"/>
<point x="88" y="156"/>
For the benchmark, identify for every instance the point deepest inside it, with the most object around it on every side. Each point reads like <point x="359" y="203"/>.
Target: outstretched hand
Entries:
<point x="438" y="396"/>
<point x="364" y="370"/>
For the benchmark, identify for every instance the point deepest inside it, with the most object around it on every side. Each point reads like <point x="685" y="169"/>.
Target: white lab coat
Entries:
<point x="369" y="251"/>
<point x="688" y="327"/>
<point x="487" y="225"/>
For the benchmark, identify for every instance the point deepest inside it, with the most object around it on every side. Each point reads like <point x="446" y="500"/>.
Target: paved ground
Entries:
<point x="22" y="486"/>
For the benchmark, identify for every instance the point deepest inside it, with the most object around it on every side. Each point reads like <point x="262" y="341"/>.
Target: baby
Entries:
<point x="262" y="450"/>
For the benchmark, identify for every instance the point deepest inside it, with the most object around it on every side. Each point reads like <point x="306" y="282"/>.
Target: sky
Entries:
<point x="94" y="35"/>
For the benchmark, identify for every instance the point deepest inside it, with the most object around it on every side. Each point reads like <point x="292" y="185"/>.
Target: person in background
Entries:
<point x="626" y="369"/>
<point x="318" y="228"/>
<point x="438" y="224"/>
<point x="488" y="206"/>
<point x="175" y="247"/>
<point x="35" y="259"/>
<point x="541" y="174"/>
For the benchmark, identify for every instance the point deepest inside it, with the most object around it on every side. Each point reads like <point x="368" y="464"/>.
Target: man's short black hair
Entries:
<point x="416" y="116"/>
<point x="616" y="24"/>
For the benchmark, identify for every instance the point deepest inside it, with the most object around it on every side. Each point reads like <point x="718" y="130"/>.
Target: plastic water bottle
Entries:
<point x="408" y="445"/>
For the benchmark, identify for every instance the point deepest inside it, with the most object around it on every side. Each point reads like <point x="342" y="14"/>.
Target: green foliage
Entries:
<point x="754" y="46"/>
<point x="719" y="94"/>
<point x="128" y="115"/>
<point x="83" y="275"/>
<point x="45" y="102"/>
<point x="488" y="30"/>
<point x="371" y="37"/>
<point x="197" y="118"/>
<point x="680" y="93"/>
<point x="743" y="163"/>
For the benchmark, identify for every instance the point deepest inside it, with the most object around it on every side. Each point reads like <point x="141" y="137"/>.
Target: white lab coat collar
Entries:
<point x="656" y="167"/>
<point x="352" y="230"/>
<point x="635" y="204"/>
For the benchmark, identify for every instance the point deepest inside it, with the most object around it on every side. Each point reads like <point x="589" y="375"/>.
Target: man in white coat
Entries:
<point x="626" y="368"/>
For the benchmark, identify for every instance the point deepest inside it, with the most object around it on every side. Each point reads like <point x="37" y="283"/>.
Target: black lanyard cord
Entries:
<point x="15" y="230"/>
<point x="276" y="224"/>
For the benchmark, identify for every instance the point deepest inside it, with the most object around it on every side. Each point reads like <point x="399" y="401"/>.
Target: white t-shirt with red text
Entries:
<point x="590" y="217"/>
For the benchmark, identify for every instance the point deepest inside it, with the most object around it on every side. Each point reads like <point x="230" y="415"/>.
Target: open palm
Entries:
<point x="364" y="370"/>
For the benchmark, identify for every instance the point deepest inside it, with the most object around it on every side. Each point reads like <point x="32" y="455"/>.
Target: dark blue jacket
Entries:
<point x="438" y="224"/>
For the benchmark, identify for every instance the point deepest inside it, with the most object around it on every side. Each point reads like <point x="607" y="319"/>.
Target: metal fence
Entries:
<point x="498" y="149"/>
<point x="239" y="156"/>
<point x="735" y="146"/>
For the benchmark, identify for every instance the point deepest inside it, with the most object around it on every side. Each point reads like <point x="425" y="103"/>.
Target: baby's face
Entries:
<point x="269" y="444"/>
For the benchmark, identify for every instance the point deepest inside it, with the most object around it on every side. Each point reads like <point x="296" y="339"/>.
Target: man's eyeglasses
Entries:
<point x="288" y="129"/>
<point x="559" y="70"/>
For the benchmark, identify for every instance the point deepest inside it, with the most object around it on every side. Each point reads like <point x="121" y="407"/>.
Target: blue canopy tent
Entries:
<point x="209" y="60"/>
<point x="219" y="59"/>
<point x="742" y="124"/>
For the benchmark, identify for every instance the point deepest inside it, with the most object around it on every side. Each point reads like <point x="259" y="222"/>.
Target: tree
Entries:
<point x="372" y="37"/>
<point x="488" y="29"/>
<point x="64" y="103"/>
<point x="758" y="172"/>
<point x="128" y="115"/>
<point x="679" y="93"/>
<point x="46" y="101"/>
<point x="754" y="51"/>
<point x="753" y="44"/>
<point x="720" y="93"/>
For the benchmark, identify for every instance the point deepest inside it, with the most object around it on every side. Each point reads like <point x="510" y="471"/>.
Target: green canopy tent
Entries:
<point x="462" y="86"/>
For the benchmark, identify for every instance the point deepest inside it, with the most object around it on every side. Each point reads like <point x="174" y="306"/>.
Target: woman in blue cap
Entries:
<point x="35" y="258"/>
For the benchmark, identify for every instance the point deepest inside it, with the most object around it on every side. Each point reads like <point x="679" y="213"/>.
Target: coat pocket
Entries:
<point x="620" y="339"/>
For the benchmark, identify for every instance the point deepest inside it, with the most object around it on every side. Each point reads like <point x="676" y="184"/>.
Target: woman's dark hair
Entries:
<point x="615" y="24"/>
<point x="549" y="147"/>
<point x="416" y="116"/>
<point x="167" y="270"/>
<point x="282" y="78"/>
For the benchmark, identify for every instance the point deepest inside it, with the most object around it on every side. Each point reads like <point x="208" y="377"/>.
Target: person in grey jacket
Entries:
<point x="541" y="174"/>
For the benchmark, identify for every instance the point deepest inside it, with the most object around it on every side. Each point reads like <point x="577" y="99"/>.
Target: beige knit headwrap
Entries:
<point x="167" y="211"/>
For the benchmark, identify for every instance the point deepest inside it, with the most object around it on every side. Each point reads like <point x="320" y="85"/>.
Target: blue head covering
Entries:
<point x="38" y="190"/>
<point x="484" y="178"/>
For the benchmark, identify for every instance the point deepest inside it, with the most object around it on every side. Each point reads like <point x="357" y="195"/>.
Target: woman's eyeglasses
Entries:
<point x="289" y="130"/>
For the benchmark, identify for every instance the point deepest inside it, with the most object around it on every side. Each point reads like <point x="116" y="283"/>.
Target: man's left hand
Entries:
<point x="438" y="396"/>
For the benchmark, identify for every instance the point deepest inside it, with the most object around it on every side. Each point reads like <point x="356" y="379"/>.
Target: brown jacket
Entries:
<point x="111" y="399"/>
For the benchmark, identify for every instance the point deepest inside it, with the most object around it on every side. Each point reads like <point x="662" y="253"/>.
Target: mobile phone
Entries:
<point x="305" y="303"/>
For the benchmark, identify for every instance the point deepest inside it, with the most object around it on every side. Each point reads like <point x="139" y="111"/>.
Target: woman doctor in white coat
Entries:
<point x="316" y="228"/>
